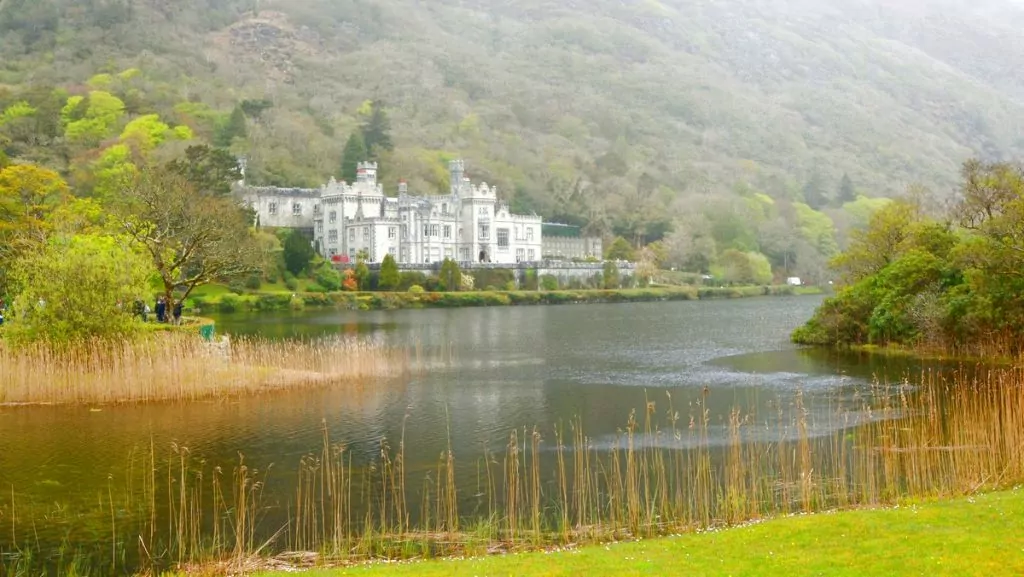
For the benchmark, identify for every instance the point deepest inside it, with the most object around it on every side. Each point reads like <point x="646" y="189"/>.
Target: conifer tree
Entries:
<point x="847" y="193"/>
<point x="377" y="131"/>
<point x="389" y="277"/>
<point x="354" y="153"/>
<point x="235" y="127"/>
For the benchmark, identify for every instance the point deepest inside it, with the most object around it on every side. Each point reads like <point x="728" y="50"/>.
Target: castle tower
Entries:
<point x="367" y="172"/>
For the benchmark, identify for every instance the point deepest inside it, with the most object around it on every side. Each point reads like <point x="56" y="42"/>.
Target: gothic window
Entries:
<point x="502" y="239"/>
<point x="464" y="254"/>
<point x="447" y="231"/>
<point x="485" y="232"/>
<point x="333" y="217"/>
<point x="392" y="232"/>
<point x="272" y="208"/>
<point x="460" y="235"/>
<point x="426" y="230"/>
<point x="444" y="208"/>
<point x="434" y="230"/>
<point x="482" y="211"/>
<point x="296" y="209"/>
<point x="533" y="255"/>
<point x="351" y="235"/>
<point x="405" y="232"/>
<point x="320" y="226"/>
<point x="520" y="254"/>
<point x="332" y="237"/>
<point x="366" y="233"/>
<point x="316" y="209"/>
<point x="529" y="233"/>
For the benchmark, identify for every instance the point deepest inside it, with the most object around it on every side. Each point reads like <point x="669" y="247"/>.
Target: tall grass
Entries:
<point x="663" y="473"/>
<point x="172" y="367"/>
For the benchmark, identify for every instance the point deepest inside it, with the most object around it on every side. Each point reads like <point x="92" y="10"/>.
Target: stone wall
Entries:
<point x="565" y="272"/>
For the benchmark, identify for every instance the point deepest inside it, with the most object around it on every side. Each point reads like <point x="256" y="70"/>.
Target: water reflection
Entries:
<point x="491" y="371"/>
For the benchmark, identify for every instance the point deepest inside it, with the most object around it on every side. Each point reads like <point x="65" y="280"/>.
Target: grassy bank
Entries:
<point x="172" y="364"/>
<point x="979" y="536"/>
<point x="227" y="302"/>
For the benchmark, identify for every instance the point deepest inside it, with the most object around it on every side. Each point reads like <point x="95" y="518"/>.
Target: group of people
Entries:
<point x="143" y="311"/>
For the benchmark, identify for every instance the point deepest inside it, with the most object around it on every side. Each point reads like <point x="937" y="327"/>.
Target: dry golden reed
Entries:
<point x="943" y="439"/>
<point x="172" y="367"/>
<point x="947" y="436"/>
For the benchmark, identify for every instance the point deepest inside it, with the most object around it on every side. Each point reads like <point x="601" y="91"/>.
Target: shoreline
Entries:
<point x="373" y="301"/>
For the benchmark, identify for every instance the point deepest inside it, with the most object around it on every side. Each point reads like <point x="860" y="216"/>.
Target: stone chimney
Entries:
<point x="403" y="187"/>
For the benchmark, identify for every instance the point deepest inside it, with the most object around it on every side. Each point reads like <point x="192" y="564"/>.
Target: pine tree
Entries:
<point x="298" y="252"/>
<point x="814" y="192"/>
<point x="355" y="152"/>
<point x="235" y="127"/>
<point x="389" y="277"/>
<point x="847" y="193"/>
<point x="450" y="277"/>
<point x="377" y="131"/>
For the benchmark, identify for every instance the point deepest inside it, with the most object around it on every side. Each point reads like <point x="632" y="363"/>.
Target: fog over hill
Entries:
<point x="584" y="109"/>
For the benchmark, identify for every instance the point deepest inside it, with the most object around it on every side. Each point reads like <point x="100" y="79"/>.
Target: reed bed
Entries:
<point x="172" y="367"/>
<point x="661" y="474"/>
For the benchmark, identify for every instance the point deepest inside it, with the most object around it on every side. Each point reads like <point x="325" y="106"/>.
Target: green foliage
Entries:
<point x="620" y="249"/>
<point x="744" y="268"/>
<point x="610" y="276"/>
<point x="210" y="170"/>
<point x="89" y="121"/>
<point x="355" y="152"/>
<point x="847" y="193"/>
<point x="298" y="253"/>
<point x="450" y="276"/>
<point x="362" y="275"/>
<point x="416" y="289"/>
<point x="376" y="131"/>
<point x="76" y="290"/>
<point x="817" y="229"/>
<point x="389" y="277"/>
<point x="493" y="277"/>
<point x="234" y="127"/>
<point x="909" y="279"/>
<point x="327" y="277"/>
<point x="549" y="282"/>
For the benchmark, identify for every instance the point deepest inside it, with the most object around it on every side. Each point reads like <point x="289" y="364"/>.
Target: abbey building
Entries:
<point x="469" y="224"/>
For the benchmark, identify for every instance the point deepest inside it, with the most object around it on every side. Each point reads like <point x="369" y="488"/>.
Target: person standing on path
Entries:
<point x="177" y="313"/>
<point x="161" y="310"/>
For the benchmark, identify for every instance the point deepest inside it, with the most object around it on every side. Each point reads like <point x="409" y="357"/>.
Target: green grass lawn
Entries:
<point x="982" y="536"/>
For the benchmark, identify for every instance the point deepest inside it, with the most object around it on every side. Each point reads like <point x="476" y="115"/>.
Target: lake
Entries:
<point x="486" y="372"/>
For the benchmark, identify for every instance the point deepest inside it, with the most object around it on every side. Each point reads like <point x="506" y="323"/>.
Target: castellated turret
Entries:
<point x="367" y="172"/>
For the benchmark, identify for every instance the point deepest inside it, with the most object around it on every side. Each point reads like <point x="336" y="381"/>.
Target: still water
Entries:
<point x="492" y="370"/>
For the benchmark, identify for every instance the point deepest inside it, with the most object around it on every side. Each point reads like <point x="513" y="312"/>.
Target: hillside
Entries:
<point x="620" y="114"/>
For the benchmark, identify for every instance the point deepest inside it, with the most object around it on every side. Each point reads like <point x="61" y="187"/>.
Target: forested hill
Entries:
<point x="619" y="114"/>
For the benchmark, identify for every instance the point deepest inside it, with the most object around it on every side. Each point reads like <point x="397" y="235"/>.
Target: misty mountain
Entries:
<point x="563" y="103"/>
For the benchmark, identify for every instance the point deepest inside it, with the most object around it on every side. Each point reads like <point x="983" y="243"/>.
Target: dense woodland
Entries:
<point x="944" y="279"/>
<point x="743" y="138"/>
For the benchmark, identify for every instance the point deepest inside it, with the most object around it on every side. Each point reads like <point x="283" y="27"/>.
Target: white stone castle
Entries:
<point x="469" y="224"/>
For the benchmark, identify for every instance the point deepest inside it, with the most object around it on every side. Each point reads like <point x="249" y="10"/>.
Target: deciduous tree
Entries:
<point x="192" y="237"/>
<point x="77" y="289"/>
